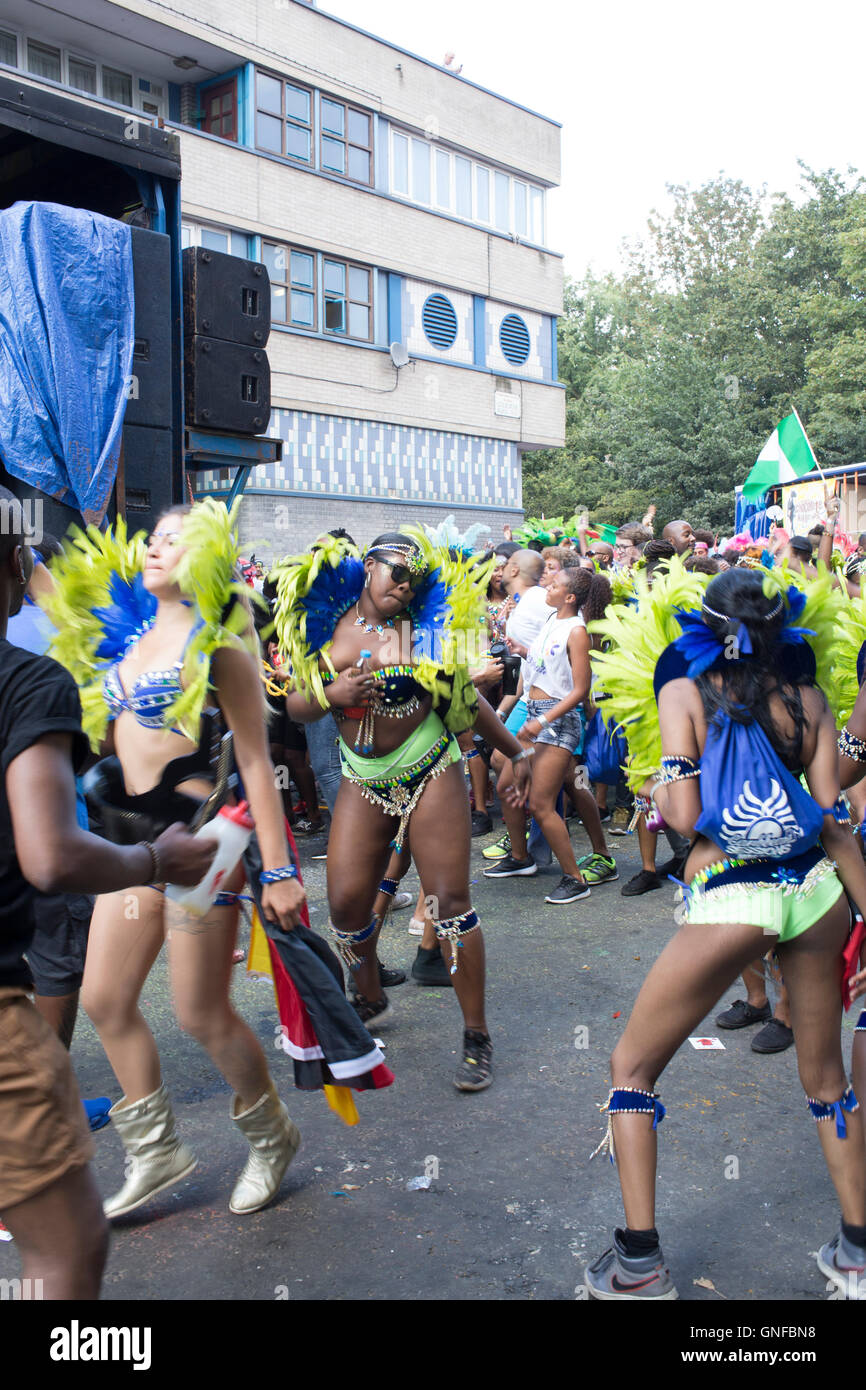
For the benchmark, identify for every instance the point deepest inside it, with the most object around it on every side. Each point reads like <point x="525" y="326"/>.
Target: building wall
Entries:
<point x="298" y="40"/>
<point x="237" y="187"/>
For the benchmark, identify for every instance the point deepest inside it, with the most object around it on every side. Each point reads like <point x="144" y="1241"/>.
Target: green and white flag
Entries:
<point x="786" y="455"/>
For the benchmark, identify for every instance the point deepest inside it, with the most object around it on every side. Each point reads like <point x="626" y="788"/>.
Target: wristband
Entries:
<point x="543" y="720"/>
<point x="524" y="753"/>
<point x="156" y="866"/>
<point x="277" y="875"/>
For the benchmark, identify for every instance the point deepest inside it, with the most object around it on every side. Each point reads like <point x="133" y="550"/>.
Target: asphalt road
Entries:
<point x="516" y="1209"/>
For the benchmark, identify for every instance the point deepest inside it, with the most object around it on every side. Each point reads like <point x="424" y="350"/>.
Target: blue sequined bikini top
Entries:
<point x="151" y="694"/>
<point x="399" y="686"/>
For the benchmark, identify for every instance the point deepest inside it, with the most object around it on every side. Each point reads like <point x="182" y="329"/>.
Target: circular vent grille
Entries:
<point x="440" y="321"/>
<point x="514" y="339"/>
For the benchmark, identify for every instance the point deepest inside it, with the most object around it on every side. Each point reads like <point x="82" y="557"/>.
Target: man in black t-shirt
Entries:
<point x="48" y="1199"/>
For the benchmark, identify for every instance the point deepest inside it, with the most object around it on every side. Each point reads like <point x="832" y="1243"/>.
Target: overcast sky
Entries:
<point x="653" y="93"/>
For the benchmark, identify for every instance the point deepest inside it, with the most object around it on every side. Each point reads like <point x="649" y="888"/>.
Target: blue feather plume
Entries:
<point x="698" y="644"/>
<point x="130" y="613"/>
<point x="331" y="594"/>
<point x="429" y="612"/>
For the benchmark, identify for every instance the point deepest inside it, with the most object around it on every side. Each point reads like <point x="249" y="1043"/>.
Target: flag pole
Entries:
<point x="808" y="441"/>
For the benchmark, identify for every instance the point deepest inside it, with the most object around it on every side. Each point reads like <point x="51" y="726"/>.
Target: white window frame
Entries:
<point x="138" y="97"/>
<point x="195" y="230"/>
<point x="535" y="193"/>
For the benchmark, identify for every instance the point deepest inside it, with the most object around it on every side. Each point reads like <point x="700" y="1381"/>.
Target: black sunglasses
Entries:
<point x="401" y="574"/>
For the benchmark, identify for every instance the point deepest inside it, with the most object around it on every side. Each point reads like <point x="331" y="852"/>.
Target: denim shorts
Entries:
<point x="564" y="732"/>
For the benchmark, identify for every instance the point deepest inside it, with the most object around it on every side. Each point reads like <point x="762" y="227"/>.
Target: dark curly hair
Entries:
<point x="592" y="591"/>
<point x="733" y="599"/>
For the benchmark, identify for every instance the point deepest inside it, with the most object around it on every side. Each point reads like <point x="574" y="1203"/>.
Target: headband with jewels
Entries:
<point x="412" y="558"/>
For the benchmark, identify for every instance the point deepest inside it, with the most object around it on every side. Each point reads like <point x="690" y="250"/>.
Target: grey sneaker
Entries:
<point x="512" y="868"/>
<point x="568" y="890"/>
<point x="615" y="1276"/>
<point x="844" y="1265"/>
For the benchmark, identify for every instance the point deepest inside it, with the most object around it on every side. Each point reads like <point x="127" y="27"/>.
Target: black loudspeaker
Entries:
<point x="146" y="476"/>
<point x="227" y="321"/>
<point x="149" y="392"/>
<point x="225" y="297"/>
<point x="228" y="386"/>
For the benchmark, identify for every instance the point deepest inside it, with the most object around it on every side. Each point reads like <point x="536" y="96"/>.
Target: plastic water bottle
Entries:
<point x="231" y="828"/>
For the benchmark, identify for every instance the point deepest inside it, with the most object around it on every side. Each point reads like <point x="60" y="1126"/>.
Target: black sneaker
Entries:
<point x="372" y="1015"/>
<point x="388" y="979"/>
<point x="741" y="1014"/>
<point x="568" y="890"/>
<point x="429" y="968"/>
<point x="644" y="882"/>
<point x="673" y="866"/>
<point x="475" y="1072"/>
<point x="481" y="823"/>
<point x="775" y="1036"/>
<point x="512" y="868"/>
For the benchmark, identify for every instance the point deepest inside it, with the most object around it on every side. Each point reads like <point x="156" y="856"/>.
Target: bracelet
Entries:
<point x="850" y="746"/>
<point x="543" y="720"/>
<point x="156" y="866"/>
<point x="278" y="875"/>
<point x="524" y="753"/>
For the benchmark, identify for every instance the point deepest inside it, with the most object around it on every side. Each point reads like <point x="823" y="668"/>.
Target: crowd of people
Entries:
<point x="387" y="702"/>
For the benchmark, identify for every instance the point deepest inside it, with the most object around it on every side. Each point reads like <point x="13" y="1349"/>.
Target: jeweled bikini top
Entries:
<point x="399" y="686"/>
<point x="152" y="692"/>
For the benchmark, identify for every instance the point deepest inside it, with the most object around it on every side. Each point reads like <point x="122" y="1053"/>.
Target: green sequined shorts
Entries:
<point x="776" y="902"/>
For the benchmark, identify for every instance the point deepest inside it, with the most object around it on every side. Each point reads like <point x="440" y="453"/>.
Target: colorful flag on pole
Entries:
<point x="786" y="455"/>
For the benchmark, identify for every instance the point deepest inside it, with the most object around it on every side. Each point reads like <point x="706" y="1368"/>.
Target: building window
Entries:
<point x="436" y="178"/>
<point x="346" y="141"/>
<point x="8" y="48"/>
<point x="284" y="118"/>
<point x="347" y="299"/>
<point x="117" y="86"/>
<point x="43" y="61"/>
<point x="226" y="239"/>
<point x="293" y="285"/>
<point x="220" y="110"/>
<point x="82" y="75"/>
<point x="439" y="321"/>
<point x="514" y="339"/>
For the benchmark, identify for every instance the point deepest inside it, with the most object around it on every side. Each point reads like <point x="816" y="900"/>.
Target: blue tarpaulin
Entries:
<point x="66" y="341"/>
<point x="751" y="516"/>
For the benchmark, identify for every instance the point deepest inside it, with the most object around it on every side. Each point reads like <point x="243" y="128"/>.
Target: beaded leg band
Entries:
<point x="628" y="1100"/>
<point x="451" y="929"/>
<point x="860" y="1026"/>
<point x="473" y="753"/>
<point x="836" y="1108"/>
<point x="347" y="940"/>
<point x="389" y="886"/>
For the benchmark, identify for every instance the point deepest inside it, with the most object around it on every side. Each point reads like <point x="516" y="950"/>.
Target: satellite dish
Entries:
<point x="399" y="355"/>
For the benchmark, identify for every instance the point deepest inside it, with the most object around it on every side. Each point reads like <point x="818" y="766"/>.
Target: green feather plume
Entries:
<point x="637" y="635"/>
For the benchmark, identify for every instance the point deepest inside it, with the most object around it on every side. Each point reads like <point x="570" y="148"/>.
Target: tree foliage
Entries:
<point x="733" y="309"/>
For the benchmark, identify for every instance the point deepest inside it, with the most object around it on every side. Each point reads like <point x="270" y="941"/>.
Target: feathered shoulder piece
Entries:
<point x="849" y="634"/>
<point x="313" y="592"/>
<point x="207" y="573"/>
<point x="100" y="608"/>
<point x="820" y="610"/>
<point x="540" y="531"/>
<point x="637" y="632"/>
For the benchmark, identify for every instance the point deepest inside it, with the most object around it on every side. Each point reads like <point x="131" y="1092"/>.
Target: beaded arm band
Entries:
<point x="850" y="746"/>
<point x="278" y="875"/>
<point x="677" y="768"/>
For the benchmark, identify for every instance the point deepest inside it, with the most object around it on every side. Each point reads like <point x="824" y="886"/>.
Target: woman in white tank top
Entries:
<point x="556" y="679"/>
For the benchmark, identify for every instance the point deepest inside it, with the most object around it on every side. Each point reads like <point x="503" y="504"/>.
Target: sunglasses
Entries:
<point x="401" y="574"/>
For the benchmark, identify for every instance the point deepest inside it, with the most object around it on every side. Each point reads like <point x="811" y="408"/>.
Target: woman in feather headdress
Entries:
<point x="385" y="644"/>
<point x="741" y="716"/>
<point x="152" y="634"/>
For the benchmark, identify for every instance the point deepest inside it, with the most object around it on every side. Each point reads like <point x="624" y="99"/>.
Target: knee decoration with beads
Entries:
<point x="628" y="1100"/>
<point x="822" y="1110"/>
<point x="347" y="940"/>
<point x="473" y="753"/>
<point x="389" y="886"/>
<point x="860" y="1025"/>
<point x="451" y="929"/>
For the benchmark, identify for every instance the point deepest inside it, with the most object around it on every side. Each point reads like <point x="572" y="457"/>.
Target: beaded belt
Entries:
<point x="398" y="795"/>
<point x="728" y="877"/>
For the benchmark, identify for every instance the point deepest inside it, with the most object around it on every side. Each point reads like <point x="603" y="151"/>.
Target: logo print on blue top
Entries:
<point x="757" y="827"/>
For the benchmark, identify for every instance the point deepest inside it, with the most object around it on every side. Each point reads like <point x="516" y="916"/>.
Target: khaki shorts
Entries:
<point x="44" y="1132"/>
